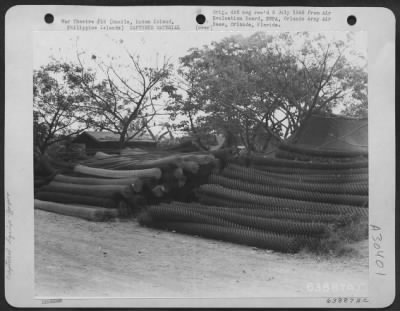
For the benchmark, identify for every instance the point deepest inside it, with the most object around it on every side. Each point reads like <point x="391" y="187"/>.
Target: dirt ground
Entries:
<point x="77" y="258"/>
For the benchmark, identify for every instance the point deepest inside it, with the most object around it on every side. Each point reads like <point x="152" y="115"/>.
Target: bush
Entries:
<point x="339" y="238"/>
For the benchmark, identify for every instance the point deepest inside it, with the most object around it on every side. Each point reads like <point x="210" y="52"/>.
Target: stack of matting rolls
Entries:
<point x="293" y="167"/>
<point x="303" y="153"/>
<point x="324" y="193"/>
<point x="279" y="211"/>
<point x="275" y="229"/>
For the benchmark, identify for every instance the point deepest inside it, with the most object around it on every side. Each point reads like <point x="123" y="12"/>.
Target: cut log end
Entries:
<point x="159" y="191"/>
<point x="191" y="166"/>
<point x="178" y="173"/>
<point x="137" y="186"/>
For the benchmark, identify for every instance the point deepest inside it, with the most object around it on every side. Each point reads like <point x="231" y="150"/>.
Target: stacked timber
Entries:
<point x="274" y="203"/>
<point x="95" y="194"/>
<point x="180" y="173"/>
<point x="120" y="185"/>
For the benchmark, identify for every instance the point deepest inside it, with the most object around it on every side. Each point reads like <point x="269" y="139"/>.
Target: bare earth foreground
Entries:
<point x="77" y="258"/>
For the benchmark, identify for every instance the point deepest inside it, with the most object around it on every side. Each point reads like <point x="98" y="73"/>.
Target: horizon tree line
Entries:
<point x="241" y="87"/>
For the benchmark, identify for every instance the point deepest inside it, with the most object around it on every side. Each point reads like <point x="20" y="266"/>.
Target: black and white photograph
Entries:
<point x="224" y="164"/>
<point x="208" y="157"/>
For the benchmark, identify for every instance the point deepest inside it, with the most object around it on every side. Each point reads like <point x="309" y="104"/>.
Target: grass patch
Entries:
<point x="339" y="239"/>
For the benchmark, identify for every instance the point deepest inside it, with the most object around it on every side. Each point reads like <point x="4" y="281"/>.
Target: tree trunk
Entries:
<point x="122" y="139"/>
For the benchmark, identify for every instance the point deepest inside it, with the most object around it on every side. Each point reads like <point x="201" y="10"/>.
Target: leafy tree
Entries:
<point x="58" y="107"/>
<point x="357" y="102"/>
<point x="325" y="78"/>
<point x="123" y="99"/>
<point x="187" y="100"/>
<point x="270" y="83"/>
<point x="356" y="110"/>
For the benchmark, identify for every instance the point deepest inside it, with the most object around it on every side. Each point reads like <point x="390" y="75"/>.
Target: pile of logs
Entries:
<point x="108" y="186"/>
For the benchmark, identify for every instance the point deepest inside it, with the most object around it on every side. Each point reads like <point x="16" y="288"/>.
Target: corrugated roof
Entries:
<point x="108" y="136"/>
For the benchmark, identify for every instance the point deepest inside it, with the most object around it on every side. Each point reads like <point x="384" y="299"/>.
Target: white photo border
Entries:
<point x="22" y="21"/>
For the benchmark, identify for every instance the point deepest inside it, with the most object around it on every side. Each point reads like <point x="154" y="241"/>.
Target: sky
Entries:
<point x="149" y="45"/>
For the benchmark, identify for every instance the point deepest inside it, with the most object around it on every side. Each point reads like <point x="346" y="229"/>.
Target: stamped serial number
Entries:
<point x="347" y="300"/>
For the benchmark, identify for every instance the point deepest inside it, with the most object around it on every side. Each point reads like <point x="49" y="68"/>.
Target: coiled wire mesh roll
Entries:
<point x="321" y="183"/>
<point x="291" y="155"/>
<point x="307" y="194"/>
<point x="275" y="214"/>
<point x="308" y="171"/>
<point x="273" y="162"/>
<point x="240" y="235"/>
<point x="322" y="153"/>
<point x="268" y="203"/>
<point x="172" y="212"/>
